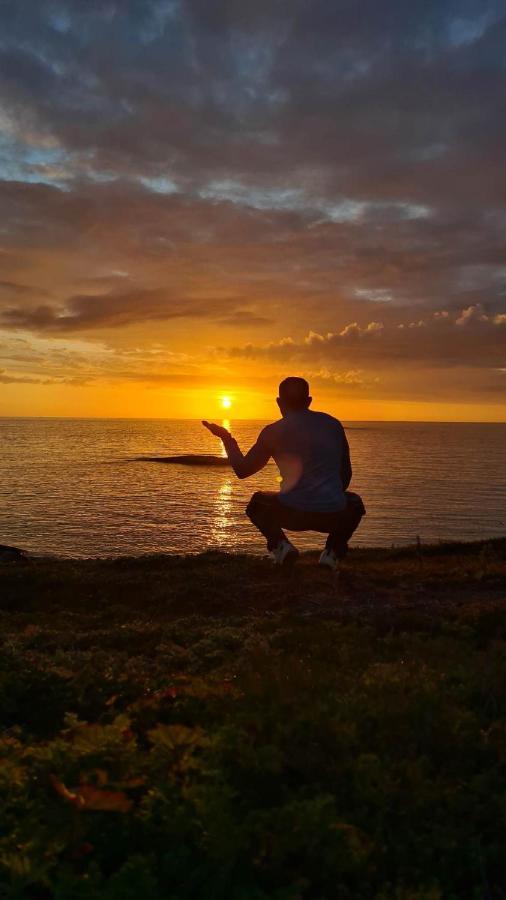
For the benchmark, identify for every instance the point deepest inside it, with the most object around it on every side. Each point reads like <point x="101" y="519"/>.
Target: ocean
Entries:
<point x="76" y="487"/>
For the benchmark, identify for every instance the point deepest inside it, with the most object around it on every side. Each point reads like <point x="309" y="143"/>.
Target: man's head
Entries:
<point x="293" y="395"/>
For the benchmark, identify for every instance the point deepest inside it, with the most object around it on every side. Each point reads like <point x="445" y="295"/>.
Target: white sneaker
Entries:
<point x="329" y="560"/>
<point x="284" y="554"/>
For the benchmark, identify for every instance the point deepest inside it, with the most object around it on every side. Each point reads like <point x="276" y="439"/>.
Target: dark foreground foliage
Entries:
<point x="206" y="728"/>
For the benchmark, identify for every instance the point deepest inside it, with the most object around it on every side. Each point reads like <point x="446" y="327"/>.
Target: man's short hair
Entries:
<point x="294" y="392"/>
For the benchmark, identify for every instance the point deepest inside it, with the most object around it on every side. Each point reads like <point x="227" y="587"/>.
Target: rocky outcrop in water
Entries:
<point x="188" y="459"/>
<point x="7" y="553"/>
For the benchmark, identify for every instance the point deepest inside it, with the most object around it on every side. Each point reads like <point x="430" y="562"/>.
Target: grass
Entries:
<point x="206" y="727"/>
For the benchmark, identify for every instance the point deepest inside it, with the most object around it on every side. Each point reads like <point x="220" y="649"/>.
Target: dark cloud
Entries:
<point x="260" y="258"/>
<point x="90" y="311"/>
<point x="13" y="287"/>
<point x="470" y="338"/>
<point x="244" y="318"/>
<point x="384" y="99"/>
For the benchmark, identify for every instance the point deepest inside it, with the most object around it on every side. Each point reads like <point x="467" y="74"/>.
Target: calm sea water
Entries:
<point x="73" y="486"/>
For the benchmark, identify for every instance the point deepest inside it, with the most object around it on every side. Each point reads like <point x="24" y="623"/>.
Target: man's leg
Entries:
<point x="346" y="523"/>
<point x="263" y="511"/>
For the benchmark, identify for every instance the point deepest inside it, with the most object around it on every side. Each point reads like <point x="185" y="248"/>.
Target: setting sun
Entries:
<point x="226" y="402"/>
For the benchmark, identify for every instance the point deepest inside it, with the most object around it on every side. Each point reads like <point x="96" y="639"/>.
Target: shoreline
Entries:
<point x="11" y="553"/>
<point x="370" y="581"/>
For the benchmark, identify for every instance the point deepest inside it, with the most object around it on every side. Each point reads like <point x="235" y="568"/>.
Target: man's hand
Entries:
<point x="218" y="430"/>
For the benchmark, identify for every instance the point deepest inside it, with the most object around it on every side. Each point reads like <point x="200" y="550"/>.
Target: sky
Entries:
<point x="201" y="197"/>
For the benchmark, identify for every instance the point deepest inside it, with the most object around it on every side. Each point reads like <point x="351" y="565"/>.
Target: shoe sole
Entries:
<point x="324" y="565"/>
<point x="289" y="560"/>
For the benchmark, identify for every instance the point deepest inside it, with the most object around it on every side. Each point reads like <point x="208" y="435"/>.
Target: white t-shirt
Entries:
<point x="308" y="449"/>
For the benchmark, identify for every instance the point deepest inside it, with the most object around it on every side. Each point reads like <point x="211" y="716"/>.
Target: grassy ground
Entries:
<point x="207" y="727"/>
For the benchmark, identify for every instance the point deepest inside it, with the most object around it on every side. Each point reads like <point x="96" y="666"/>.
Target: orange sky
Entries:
<point x="122" y="402"/>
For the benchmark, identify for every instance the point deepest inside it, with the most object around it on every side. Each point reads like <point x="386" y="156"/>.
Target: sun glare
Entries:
<point x="226" y="402"/>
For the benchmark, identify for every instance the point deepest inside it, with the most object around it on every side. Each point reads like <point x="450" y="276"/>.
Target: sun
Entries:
<point x="226" y="402"/>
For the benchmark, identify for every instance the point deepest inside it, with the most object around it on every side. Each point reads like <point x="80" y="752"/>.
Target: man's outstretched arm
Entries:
<point x="243" y="465"/>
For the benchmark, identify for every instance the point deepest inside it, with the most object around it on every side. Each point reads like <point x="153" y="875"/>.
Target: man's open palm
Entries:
<point x="218" y="430"/>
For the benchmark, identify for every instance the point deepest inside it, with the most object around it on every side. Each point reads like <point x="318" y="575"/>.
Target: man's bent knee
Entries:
<point x="259" y="502"/>
<point x="354" y="504"/>
<point x="253" y="504"/>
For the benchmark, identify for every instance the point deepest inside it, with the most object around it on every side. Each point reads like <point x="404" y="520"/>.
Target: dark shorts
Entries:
<point x="270" y="516"/>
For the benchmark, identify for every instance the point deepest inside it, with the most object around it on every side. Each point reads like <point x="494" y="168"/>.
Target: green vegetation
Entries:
<point x="210" y="728"/>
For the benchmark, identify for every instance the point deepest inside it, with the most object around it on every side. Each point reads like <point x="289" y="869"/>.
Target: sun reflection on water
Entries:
<point x="222" y="518"/>
<point x="226" y="424"/>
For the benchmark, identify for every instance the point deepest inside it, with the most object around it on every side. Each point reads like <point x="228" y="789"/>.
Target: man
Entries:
<point x="313" y="457"/>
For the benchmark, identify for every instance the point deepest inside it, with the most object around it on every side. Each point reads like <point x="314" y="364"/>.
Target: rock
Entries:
<point x="9" y="553"/>
<point x="188" y="459"/>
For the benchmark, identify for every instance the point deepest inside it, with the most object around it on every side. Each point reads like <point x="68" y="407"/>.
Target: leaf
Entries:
<point x="89" y="737"/>
<point x="87" y="796"/>
<point x="62" y="672"/>
<point x="63" y="791"/>
<point x="107" y="801"/>
<point x="176" y="736"/>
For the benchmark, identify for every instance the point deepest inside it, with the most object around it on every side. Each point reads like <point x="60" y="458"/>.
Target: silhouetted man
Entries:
<point x="313" y="457"/>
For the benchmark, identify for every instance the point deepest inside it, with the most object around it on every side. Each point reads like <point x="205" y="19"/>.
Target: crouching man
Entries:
<point x="313" y="457"/>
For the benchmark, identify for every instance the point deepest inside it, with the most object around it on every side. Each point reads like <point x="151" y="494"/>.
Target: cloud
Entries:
<point x="469" y="338"/>
<point x="8" y="378"/>
<point x="181" y="247"/>
<point x="5" y="378"/>
<point x="245" y="318"/>
<point x="59" y="360"/>
<point x="115" y="308"/>
<point x="355" y="332"/>
<point x="139" y="88"/>
<point x="12" y="287"/>
<point x="352" y="378"/>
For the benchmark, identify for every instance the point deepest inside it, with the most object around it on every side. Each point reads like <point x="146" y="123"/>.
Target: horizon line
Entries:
<point x="258" y="419"/>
